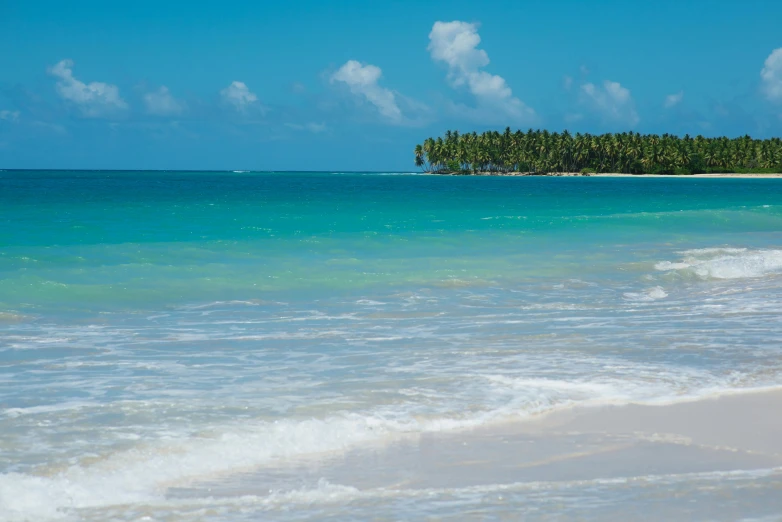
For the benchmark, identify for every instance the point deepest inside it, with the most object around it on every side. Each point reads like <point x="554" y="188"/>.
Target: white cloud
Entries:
<point x="456" y="44"/>
<point x="311" y="127"/>
<point x="239" y="96"/>
<point x="673" y="100"/>
<point x="161" y="102"/>
<point x="9" y="115"/>
<point x="567" y="82"/>
<point x="93" y="99"/>
<point x="771" y="76"/>
<point x="612" y="101"/>
<point x="363" y="81"/>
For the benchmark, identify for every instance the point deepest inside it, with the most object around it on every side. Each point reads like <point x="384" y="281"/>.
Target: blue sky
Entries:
<point x="341" y="85"/>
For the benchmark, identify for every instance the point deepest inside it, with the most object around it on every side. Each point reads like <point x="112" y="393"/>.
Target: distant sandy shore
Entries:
<point x="618" y="175"/>
<point x="615" y="175"/>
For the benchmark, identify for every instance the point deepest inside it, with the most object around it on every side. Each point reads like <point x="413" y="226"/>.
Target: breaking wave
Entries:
<point x="726" y="263"/>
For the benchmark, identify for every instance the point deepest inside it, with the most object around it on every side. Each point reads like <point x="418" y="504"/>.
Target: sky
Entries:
<point x="355" y="85"/>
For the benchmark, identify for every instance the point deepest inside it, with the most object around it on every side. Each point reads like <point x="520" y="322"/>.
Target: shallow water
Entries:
<point x="163" y="330"/>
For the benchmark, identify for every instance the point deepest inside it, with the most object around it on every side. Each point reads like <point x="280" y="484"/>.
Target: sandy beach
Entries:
<point x="616" y="175"/>
<point x="708" y="459"/>
<point x="736" y="433"/>
<point x="620" y="175"/>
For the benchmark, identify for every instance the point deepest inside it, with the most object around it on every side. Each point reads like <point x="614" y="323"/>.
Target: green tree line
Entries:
<point x="543" y="152"/>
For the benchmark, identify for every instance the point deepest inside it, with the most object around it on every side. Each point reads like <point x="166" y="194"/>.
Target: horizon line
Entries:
<point x="233" y="171"/>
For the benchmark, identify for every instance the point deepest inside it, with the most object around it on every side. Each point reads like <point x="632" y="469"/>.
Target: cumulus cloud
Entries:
<point x="612" y="101"/>
<point x="567" y="82"/>
<point x="94" y="99"/>
<point x="456" y="44"/>
<point x="161" y="103"/>
<point x="239" y="96"/>
<point x="362" y="80"/>
<point x="771" y="76"/>
<point x="673" y="100"/>
<point x="9" y="115"/>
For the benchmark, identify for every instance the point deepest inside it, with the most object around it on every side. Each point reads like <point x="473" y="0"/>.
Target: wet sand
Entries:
<point x="741" y="432"/>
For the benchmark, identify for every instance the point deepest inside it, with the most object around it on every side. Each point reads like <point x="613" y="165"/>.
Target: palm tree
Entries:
<point x="420" y="160"/>
<point x="541" y="152"/>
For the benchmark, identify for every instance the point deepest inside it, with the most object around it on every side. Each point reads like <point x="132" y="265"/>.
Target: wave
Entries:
<point x="652" y="294"/>
<point x="145" y="473"/>
<point x="369" y="302"/>
<point x="725" y="263"/>
<point x="355" y="500"/>
<point x="214" y="304"/>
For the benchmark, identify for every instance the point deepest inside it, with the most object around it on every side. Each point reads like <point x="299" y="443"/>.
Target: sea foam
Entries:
<point x="651" y="294"/>
<point x="726" y="263"/>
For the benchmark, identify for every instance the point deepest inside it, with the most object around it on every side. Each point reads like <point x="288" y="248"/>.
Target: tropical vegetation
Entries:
<point x="544" y="152"/>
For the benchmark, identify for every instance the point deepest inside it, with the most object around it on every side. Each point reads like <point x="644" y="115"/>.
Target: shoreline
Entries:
<point x="737" y="432"/>
<point x="613" y="175"/>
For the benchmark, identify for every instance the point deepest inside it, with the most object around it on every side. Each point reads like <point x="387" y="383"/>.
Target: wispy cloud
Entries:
<point x="315" y="128"/>
<point x="9" y="115"/>
<point x="771" y="76"/>
<point x="611" y="101"/>
<point x="456" y="44"/>
<point x="94" y="99"/>
<point x="162" y="103"/>
<point x="298" y="88"/>
<point x="363" y="81"/>
<point x="49" y="126"/>
<point x="672" y="100"/>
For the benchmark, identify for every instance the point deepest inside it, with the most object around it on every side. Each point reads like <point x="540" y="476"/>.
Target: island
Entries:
<point x="540" y="152"/>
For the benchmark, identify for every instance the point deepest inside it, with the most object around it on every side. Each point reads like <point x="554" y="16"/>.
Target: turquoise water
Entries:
<point x="161" y="328"/>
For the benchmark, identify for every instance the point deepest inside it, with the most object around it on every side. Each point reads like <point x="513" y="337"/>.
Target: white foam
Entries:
<point x="652" y="294"/>
<point x="726" y="263"/>
<point x="369" y="302"/>
<point x="251" y="302"/>
<point x="49" y="408"/>
<point x="326" y="493"/>
<point x="713" y="250"/>
<point x="144" y="473"/>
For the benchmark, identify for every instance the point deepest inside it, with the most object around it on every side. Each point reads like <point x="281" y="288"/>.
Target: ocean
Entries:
<point x="242" y="346"/>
